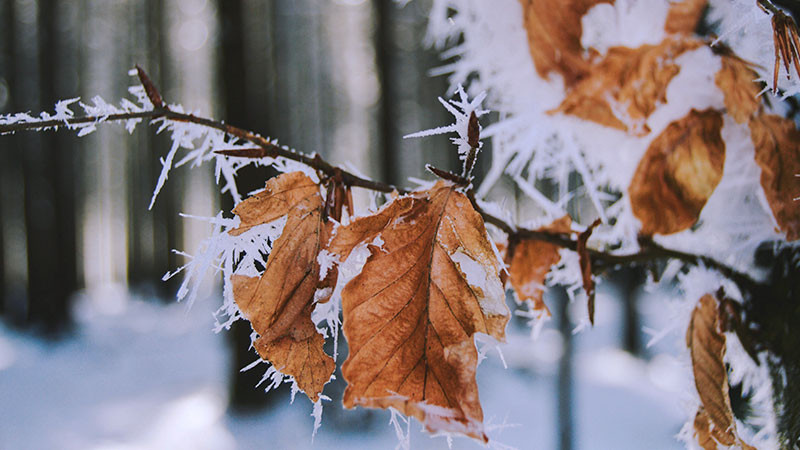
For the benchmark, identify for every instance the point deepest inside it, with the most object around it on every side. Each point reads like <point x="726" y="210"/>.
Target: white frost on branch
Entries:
<point x="461" y="109"/>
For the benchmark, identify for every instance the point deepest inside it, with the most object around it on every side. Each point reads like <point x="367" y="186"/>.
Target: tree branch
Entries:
<point x="649" y="250"/>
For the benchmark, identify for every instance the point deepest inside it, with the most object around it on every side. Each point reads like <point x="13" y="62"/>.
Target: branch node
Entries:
<point x="150" y="89"/>
<point x="474" y="141"/>
<point x="450" y="176"/>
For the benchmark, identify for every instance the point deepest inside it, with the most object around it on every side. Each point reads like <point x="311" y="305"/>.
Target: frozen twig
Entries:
<point x="648" y="249"/>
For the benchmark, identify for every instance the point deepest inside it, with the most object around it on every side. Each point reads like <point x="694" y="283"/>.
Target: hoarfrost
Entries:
<point x="486" y="286"/>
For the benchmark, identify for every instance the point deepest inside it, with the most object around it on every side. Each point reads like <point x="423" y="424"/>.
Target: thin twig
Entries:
<point x="649" y="250"/>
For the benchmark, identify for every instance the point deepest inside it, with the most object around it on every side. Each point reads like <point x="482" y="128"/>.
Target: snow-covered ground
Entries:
<point x="142" y="375"/>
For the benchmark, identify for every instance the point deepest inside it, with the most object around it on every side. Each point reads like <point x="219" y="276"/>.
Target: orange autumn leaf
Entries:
<point x="683" y="16"/>
<point x="777" y="145"/>
<point x="279" y="303"/>
<point x="738" y="83"/>
<point x="431" y="282"/>
<point x="678" y="173"/>
<point x="554" y="36"/>
<point x="530" y="262"/>
<point x="714" y="423"/>
<point x="635" y="79"/>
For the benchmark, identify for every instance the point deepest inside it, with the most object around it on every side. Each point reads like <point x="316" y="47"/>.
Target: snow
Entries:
<point x="485" y="284"/>
<point x="143" y="375"/>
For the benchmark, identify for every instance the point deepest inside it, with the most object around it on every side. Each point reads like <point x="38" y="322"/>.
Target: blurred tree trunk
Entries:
<point x="565" y="377"/>
<point x="154" y="233"/>
<point x="51" y="190"/>
<point x="245" y="108"/>
<point x="15" y="267"/>
<point x="46" y="185"/>
<point x="408" y="95"/>
<point x="628" y="280"/>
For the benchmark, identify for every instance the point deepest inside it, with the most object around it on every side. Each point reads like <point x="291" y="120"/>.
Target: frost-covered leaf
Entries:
<point x="678" y="173"/>
<point x="625" y="87"/>
<point x="530" y="261"/>
<point x="431" y="282"/>
<point x="714" y="423"/>
<point x="777" y="144"/>
<point x="279" y="303"/>
<point x="554" y="36"/>
<point x="738" y="82"/>
<point x="684" y="15"/>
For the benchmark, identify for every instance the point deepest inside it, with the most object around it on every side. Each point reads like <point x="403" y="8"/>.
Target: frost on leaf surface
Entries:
<point x="411" y="314"/>
<point x="279" y="303"/>
<point x="625" y="87"/>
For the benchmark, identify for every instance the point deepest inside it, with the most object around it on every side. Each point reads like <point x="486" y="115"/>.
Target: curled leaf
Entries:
<point x="714" y="424"/>
<point x="530" y="261"/>
<point x="279" y="303"/>
<point x="625" y="87"/>
<point x="554" y="36"/>
<point x="586" y="267"/>
<point x="738" y="83"/>
<point x="431" y="282"/>
<point x="777" y="145"/>
<point x="683" y="16"/>
<point x="678" y="173"/>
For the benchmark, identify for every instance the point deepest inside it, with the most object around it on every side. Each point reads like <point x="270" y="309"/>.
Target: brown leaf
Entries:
<point x="586" y="267"/>
<point x="683" y="16"/>
<point x="678" y="173"/>
<point x="635" y="79"/>
<point x="702" y="430"/>
<point x="531" y="261"/>
<point x="410" y="315"/>
<point x="554" y="36"/>
<point x="738" y="83"/>
<point x="707" y="345"/>
<point x="777" y="144"/>
<point x="278" y="304"/>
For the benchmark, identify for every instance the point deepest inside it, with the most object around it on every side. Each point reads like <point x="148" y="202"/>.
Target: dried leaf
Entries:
<point x="678" y="173"/>
<point x="777" y="144"/>
<point x="683" y="16"/>
<point x="531" y="261"/>
<point x="702" y="430"/>
<point x="714" y="424"/>
<point x="635" y="80"/>
<point x="278" y="304"/>
<point x="707" y="345"/>
<point x="554" y="36"/>
<point x="738" y="83"/>
<point x="430" y="283"/>
<point x="586" y="267"/>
